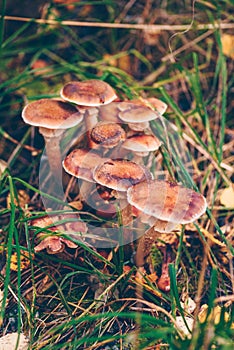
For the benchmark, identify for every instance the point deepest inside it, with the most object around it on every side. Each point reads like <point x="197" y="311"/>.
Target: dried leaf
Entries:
<point x="228" y="45"/>
<point x="23" y="200"/>
<point x="213" y="316"/>
<point x="3" y="166"/>
<point x="227" y="195"/>
<point x="9" y="341"/>
<point x="182" y="325"/>
<point x="24" y="260"/>
<point x="188" y="305"/>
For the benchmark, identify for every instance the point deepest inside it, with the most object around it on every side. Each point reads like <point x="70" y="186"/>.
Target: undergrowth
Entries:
<point x="89" y="299"/>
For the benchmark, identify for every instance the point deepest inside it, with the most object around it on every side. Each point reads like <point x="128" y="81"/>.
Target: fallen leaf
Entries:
<point x="23" y="200"/>
<point x="181" y="324"/>
<point x="188" y="305"/>
<point x="9" y="341"/>
<point x="3" y="166"/>
<point x="228" y="45"/>
<point x="213" y="316"/>
<point x="227" y="195"/>
<point x="24" y="260"/>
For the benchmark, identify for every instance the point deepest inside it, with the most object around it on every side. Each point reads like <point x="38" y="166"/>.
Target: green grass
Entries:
<point x="82" y="299"/>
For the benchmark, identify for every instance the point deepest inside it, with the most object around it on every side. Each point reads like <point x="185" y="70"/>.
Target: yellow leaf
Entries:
<point x="227" y="196"/>
<point x="9" y="342"/>
<point x="228" y="45"/>
<point x="24" y="261"/>
<point x="3" y="166"/>
<point x="213" y="316"/>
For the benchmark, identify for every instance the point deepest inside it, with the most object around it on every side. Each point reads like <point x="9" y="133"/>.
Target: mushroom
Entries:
<point x="120" y="174"/>
<point x="54" y="243"/>
<point x="153" y="103"/>
<point x="135" y="115"/>
<point x="81" y="162"/>
<point x="89" y="93"/>
<point x="164" y="280"/>
<point x="164" y="205"/>
<point x="52" y="117"/>
<point x="107" y="135"/>
<point x="167" y="201"/>
<point x="141" y="145"/>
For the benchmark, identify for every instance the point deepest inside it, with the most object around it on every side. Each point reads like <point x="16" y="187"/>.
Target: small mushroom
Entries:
<point x="120" y="174"/>
<point x="81" y="162"/>
<point x="135" y="115"/>
<point x="107" y="135"/>
<point x="142" y="144"/>
<point x="54" y="243"/>
<point x="52" y="117"/>
<point x="89" y="93"/>
<point x="153" y="103"/>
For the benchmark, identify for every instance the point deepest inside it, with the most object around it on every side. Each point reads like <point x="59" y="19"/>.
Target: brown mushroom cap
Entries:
<point x="167" y="201"/>
<point x="120" y="174"/>
<point x="152" y="102"/>
<point x="107" y="134"/>
<point x="81" y="162"/>
<point x="142" y="143"/>
<point x="54" y="243"/>
<point x="134" y="113"/>
<point x="160" y="106"/>
<point x="51" y="114"/>
<point x="91" y="92"/>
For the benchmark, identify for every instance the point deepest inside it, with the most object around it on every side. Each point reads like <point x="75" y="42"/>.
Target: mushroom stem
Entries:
<point x="52" y="143"/>
<point x="164" y="281"/>
<point x="90" y="122"/>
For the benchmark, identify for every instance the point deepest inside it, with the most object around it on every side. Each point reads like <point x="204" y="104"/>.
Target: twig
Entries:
<point x="149" y="27"/>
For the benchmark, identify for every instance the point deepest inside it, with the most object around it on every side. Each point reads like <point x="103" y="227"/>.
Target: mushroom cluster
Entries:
<point x="111" y="163"/>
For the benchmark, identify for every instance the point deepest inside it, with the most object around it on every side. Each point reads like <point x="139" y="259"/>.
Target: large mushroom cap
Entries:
<point x="167" y="201"/>
<point x="81" y="162"/>
<point x="120" y="174"/>
<point x="142" y="143"/>
<point x="88" y="92"/>
<point x="108" y="134"/>
<point x="134" y="113"/>
<point x="51" y="114"/>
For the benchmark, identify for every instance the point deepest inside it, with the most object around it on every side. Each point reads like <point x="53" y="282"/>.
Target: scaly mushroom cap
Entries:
<point x="81" y="162"/>
<point x="51" y="114"/>
<point x="167" y="201"/>
<point x="108" y="135"/>
<point x="120" y="174"/>
<point x="142" y="143"/>
<point x="88" y="92"/>
<point x="134" y="113"/>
